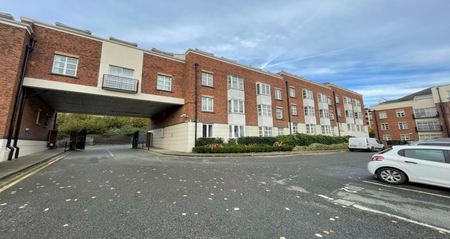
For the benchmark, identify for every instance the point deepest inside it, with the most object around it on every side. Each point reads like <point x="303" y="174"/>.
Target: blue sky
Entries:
<point x="379" y="48"/>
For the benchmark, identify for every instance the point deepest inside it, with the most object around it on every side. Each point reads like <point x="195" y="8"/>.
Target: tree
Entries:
<point x="371" y="132"/>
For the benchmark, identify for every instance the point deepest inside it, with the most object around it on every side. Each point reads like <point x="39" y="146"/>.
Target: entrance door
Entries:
<point x="81" y="139"/>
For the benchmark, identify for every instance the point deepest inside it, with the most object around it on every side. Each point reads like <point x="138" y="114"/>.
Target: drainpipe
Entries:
<point x="196" y="102"/>
<point x="54" y="121"/>
<point x="443" y="112"/>
<point x="336" y="114"/>
<point x="18" y="93"/>
<point x="19" y="122"/>
<point x="288" y="108"/>
<point x="374" y="114"/>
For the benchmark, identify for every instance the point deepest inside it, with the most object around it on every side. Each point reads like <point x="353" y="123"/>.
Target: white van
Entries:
<point x="363" y="143"/>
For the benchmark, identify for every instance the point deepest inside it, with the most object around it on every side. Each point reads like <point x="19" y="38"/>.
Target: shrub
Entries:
<point x="306" y="139"/>
<point x="317" y="146"/>
<point x="256" y="140"/>
<point x="232" y="141"/>
<point x="206" y="141"/>
<point x="241" y="149"/>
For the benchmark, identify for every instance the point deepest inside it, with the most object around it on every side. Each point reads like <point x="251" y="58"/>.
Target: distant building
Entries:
<point x="418" y="116"/>
<point x="368" y="117"/>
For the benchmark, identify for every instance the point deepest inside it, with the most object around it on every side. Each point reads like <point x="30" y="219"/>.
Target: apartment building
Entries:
<point x="185" y="96"/>
<point x="418" y="116"/>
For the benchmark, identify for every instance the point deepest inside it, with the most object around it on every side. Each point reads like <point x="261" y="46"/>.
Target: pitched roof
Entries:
<point x="426" y="91"/>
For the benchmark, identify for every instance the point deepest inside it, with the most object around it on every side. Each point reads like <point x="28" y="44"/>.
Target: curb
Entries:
<point x="292" y="153"/>
<point x="31" y="166"/>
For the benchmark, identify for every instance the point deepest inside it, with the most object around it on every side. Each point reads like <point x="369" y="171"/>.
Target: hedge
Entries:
<point x="206" y="141"/>
<point x="240" y="149"/>
<point x="316" y="146"/>
<point x="306" y="139"/>
<point x="249" y="140"/>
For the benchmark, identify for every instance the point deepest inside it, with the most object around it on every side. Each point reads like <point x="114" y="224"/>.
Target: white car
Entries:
<point x="421" y="164"/>
<point x="364" y="143"/>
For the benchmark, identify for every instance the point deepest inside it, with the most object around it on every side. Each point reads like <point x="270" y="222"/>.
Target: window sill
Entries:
<point x="293" y="97"/>
<point x="210" y="112"/>
<point x="279" y="100"/>
<point x="235" y="89"/>
<point x="57" y="74"/>
<point x="236" y="113"/>
<point x="280" y="119"/>
<point x="294" y="115"/>
<point x="168" y="91"/>
<point x="207" y="86"/>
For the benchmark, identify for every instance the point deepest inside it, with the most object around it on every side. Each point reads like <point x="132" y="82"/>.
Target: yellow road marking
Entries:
<point x="19" y="178"/>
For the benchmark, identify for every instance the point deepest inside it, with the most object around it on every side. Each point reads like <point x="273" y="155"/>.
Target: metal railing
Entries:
<point x="118" y="83"/>
<point x="424" y="116"/>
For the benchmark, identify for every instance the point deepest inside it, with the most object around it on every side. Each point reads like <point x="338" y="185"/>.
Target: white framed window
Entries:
<point x="387" y="137"/>
<point x="326" y="129"/>
<point x="405" y="137"/>
<point x="164" y="83"/>
<point x="280" y="131"/>
<point x="358" y="128"/>
<point x="358" y="115"/>
<point x="383" y="115"/>
<point x="294" y="109"/>
<point x="309" y="110"/>
<point x="307" y="94"/>
<point x="329" y="100"/>
<point x="426" y="136"/>
<point x="236" y="106"/>
<point x="324" y="113"/>
<point x="65" y="65"/>
<point x="349" y="127"/>
<point x="38" y="117"/>
<point x="235" y="82"/>
<point x="331" y="115"/>
<point x="356" y="102"/>
<point x="207" y="79"/>
<point x="311" y="129"/>
<point x="161" y="133"/>
<point x="264" y="110"/>
<point x="292" y="92"/>
<point x="336" y="98"/>
<point x="348" y="113"/>
<point x="262" y="89"/>
<point x="347" y="100"/>
<point x="402" y="125"/>
<point x="265" y="131"/>
<point x="425" y="112"/>
<point x="207" y="104"/>
<point x="279" y="113"/>
<point x="384" y="126"/>
<point x="339" y="112"/>
<point x="295" y="127"/>
<point x="122" y="78"/>
<point x="400" y="113"/>
<point x="321" y="98"/>
<point x="237" y="131"/>
<point x="120" y="71"/>
<point x="277" y="94"/>
<point x="428" y="126"/>
<point x="207" y="131"/>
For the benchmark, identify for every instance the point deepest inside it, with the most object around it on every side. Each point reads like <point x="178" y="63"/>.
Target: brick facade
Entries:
<point x="393" y="121"/>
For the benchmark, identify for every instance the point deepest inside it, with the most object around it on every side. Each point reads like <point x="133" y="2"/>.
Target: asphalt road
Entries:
<point x="117" y="192"/>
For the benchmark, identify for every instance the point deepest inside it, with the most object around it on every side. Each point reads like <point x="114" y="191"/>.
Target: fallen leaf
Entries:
<point x="326" y="232"/>
<point x="68" y="200"/>
<point x="65" y="225"/>
<point x="288" y="209"/>
<point x="318" y="235"/>
<point x="236" y="209"/>
<point x="331" y="219"/>
<point x="297" y="196"/>
<point x="282" y="237"/>
<point x="13" y="192"/>
<point x="86" y="210"/>
<point x="93" y="197"/>
<point x="233" y="190"/>
<point x="209" y="199"/>
<point x="45" y="209"/>
<point x="184" y="214"/>
<point x="394" y="221"/>
<point x="3" y="204"/>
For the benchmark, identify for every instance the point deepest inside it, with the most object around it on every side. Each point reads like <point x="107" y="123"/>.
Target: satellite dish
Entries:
<point x="381" y="100"/>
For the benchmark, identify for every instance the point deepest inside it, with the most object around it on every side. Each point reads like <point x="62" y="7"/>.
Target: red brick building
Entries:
<point x="418" y="116"/>
<point x="70" y="70"/>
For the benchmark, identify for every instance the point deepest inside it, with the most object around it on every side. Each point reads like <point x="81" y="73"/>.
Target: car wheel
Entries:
<point x="351" y="150"/>
<point x="372" y="149"/>
<point x="391" y="175"/>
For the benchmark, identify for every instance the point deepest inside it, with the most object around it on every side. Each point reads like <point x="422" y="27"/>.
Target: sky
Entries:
<point x="378" y="48"/>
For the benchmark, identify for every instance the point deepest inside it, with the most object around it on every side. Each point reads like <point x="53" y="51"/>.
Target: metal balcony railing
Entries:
<point x="429" y="128"/>
<point x="118" y="83"/>
<point x="424" y="116"/>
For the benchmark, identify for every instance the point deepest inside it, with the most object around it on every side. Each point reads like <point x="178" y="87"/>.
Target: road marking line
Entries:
<point x="112" y="155"/>
<point x="33" y="171"/>
<point x="411" y="190"/>
<point x="323" y="196"/>
<point x="401" y="218"/>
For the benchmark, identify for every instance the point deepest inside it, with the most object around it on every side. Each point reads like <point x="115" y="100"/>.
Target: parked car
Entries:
<point x="363" y="143"/>
<point x="421" y="164"/>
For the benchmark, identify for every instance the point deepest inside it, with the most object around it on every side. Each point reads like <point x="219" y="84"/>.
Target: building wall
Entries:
<point x="392" y="120"/>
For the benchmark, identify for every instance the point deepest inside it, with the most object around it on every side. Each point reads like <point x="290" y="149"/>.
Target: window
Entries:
<point x="426" y="136"/>
<point x="162" y="133"/>
<point x="402" y="125"/>
<point x="65" y="65"/>
<point x="262" y="89"/>
<point x="329" y="100"/>
<point x="164" y="83"/>
<point x="347" y="100"/>
<point x="207" y="104"/>
<point x="235" y="83"/>
<point x="311" y="128"/>
<point x="295" y="127"/>
<point x="384" y="126"/>
<point x="309" y="110"/>
<point x="321" y="97"/>
<point x="405" y="137"/>
<point x="294" y="109"/>
<point x="434" y="155"/>
<point x="326" y="129"/>
<point x="265" y="131"/>
<point x="324" y="113"/>
<point x="348" y="113"/>
<point x="356" y="102"/>
<point x="331" y="115"/>
<point x="358" y="115"/>
<point x="400" y="113"/>
<point x="382" y="115"/>
<point x="264" y="110"/>
<point x="349" y="127"/>
<point x="207" y="131"/>
<point x="236" y="131"/>
<point x="207" y="79"/>
<point x="339" y="112"/>
<point x="336" y="98"/>
<point x="425" y="112"/>
<point x="279" y="113"/>
<point x="280" y="131"/>
<point x="307" y="94"/>
<point x="387" y="137"/>
<point x="38" y="116"/>
<point x="46" y="120"/>
<point x="235" y="106"/>
<point x="358" y="128"/>
<point x="277" y="94"/>
<point x="123" y="78"/>
<point x="428" y="126"/>
<point x="292" y="92"/>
